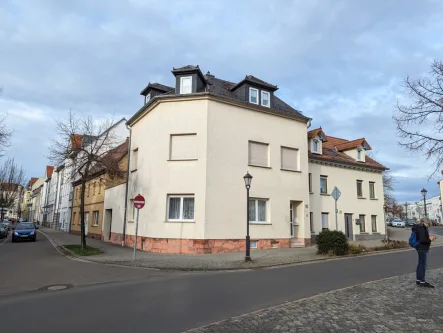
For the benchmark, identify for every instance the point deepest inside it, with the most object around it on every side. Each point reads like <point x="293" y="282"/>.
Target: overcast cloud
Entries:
<point x="340" y="62"/>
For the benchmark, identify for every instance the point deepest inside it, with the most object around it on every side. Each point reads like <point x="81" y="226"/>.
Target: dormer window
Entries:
<point x="265" y="99"/>
<point x="186" y="85"/>
<point x="147" y="98"/>
<point x="358" y="154"/>
<point x="253" y="95"/>
<point x="315" y="146"/>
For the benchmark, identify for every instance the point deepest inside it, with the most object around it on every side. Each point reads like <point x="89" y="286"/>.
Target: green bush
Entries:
<point x="332" y="241"/>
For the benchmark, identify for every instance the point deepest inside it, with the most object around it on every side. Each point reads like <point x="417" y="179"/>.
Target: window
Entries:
<point x="289" y="159"/>
<point x="372" y="190"/>
<point x="374" y="223"/>
<point x="310" y="182"/>
<point x="93" y="188"/>
<point x="134" y="159"/>
<point x="311" y="221"/>
<point x="95" y="217"/>
<point x="183" y="147"/>
<point x="148" y="98"/>
<point x="186" y="85"/>
<point x="324" y="184"/>
<point x="266" y="99"/>
<point x="315" y="146"/>
<point x="89" y="188"/>
<point x="358" y="154"/>
<point x="258" y="154"/>
<point x="257" y="210"/>
<point x="99" y="185"/>
<point x="180" y="208"/>
<point x="254" y="244"/>
<point x="362" y="223"/>
<point x="324" y="221"/>
<point x="73" y="218"/>
<point x="253" y="95"/>
<point x="359" y="188"/>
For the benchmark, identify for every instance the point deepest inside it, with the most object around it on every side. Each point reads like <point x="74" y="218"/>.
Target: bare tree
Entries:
<point x="420" y="122"/>
<point x="83" y="143"/>
<point x="12" y="179"/>
<point x="5" y="133"/>
<point x="388" y="188"/>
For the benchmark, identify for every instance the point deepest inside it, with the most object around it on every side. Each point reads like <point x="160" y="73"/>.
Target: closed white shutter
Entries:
<point x="183" y="147"/>
<point x="289" y="158"/>
<point x="324" y="220"/>
<point x="258" y="154"/>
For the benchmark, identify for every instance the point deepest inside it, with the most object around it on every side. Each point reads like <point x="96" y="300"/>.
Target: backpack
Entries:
<point x="413" y="241"/>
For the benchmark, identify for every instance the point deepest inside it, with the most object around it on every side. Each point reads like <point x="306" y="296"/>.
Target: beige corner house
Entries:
<point x="190" y="147"/>
<point x="343" y="164"/>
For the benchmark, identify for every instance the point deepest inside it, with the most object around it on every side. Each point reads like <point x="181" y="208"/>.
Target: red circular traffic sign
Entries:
<point x="139" y="202"/>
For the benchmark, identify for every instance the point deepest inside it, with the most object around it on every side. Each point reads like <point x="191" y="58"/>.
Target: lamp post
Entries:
<point x="248" y="179"/>
<point x="424" y="192"/>
<point x="385" y="208"/>
<point x="406" y="210"/>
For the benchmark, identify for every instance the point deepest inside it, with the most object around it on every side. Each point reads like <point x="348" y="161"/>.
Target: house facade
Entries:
<point x="26" y="204"/>
<point x="416" y="210"/>
<point x="35" y="209"/>
<point x="95" y="187"/>
<point x="344" y="164"/>
<point x="190" y="148"/>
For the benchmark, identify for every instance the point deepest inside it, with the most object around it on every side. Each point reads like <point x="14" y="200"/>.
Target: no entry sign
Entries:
<point x="139" y="202"/>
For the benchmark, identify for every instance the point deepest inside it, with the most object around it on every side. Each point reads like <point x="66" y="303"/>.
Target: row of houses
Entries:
<point x="188" y="148"/>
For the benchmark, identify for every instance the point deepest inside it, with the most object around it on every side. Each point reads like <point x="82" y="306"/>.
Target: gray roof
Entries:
<point x="257" y="81"/>
<point x="185" y="68"/>
<point x="157" y="86"/>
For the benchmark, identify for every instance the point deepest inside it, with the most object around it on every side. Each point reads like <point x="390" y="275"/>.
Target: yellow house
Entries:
<point x="95" y="192"/>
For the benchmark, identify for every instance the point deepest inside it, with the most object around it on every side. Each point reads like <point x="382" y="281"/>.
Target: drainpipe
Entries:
<point x="127" y="185"/>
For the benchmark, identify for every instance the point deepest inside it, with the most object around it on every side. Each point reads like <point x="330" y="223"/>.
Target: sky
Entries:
<point x="341" y="62"/>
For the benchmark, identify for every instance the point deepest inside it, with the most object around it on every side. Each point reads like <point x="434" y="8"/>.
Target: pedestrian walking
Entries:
<point x="423" y="244"/>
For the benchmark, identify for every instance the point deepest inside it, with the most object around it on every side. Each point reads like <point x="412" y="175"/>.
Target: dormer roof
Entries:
<point x="353" y="145"/>
<point x="255" y="81"/>
<point x="156" y="86"/>
<point x="188" y="69"/>
<point x="317" y="132"/>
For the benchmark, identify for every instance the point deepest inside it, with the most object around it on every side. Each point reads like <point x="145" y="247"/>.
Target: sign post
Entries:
<point x="336" y="195"/>
<point x="139" y="203"/>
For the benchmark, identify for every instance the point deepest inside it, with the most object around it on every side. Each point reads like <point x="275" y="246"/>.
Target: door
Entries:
<point x="86" y="223"/>
<point x="348" y="226"/>
<point x="107" y="225"/>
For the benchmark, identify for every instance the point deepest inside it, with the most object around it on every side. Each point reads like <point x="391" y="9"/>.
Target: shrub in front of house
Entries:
<point x="332" y="241"/>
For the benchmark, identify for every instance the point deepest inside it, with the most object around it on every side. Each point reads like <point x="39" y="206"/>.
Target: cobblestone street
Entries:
<point x="391" y="305"/>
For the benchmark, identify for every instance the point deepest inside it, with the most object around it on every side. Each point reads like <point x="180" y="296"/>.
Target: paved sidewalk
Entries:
<point x="386" y="306"/>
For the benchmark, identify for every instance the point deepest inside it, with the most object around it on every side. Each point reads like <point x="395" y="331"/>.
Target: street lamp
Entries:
<point x="248" y="179"/>
<point x="424" y="192"/>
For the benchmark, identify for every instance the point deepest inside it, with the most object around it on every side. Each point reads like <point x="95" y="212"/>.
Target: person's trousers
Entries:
<point x="421" y="267"/>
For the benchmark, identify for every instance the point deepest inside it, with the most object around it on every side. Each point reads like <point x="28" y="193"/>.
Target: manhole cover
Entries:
<point x="57" y="287"/>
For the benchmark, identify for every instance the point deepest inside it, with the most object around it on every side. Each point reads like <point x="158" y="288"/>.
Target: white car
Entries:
<point x="398" y="223"/>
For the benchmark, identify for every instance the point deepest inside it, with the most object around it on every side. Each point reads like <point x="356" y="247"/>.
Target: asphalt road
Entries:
<point x="162" y="302"/>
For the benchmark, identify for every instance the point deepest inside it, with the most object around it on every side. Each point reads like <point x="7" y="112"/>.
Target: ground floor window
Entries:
<point x="362" y="223"/>
<point x="324" y="221"/>
<point x="181" y="207"/>
<point x="374" y="223"/>
<point x="254" y="244"/>
<point x="257" y="210"/>
<point x="311" y="221"/>
<point x="95" y="217"/>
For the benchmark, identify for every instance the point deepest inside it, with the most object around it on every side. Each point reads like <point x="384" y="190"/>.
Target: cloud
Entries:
<point x="341" y="62"/>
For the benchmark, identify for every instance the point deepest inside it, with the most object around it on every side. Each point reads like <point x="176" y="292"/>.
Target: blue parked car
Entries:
<point x="24" y="231"/>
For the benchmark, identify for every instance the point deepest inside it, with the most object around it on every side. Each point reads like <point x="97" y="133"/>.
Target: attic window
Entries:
<point x="359" y="154"/>
<point x="315" y="146"/>
<point x="265" y="99"/>
<point x="186" y="85"/>
<point x="147" y="98"/>
<point x="253" y="95"/>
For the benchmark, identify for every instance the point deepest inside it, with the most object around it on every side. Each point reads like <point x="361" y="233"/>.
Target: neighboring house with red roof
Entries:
<point x="336" y="162"/>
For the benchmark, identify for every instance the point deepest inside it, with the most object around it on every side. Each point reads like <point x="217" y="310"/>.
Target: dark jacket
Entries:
<point x="422" y="236"/>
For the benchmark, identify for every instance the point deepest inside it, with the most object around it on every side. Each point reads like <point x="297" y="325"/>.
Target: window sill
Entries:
<point x="260" y="223"/>
<point x="130" y="221"/>
<point x="311" y="192"/>
<point x="361" y="198"/>
<point x="134" y="170"/>
<point x="376" y="233"/>
<point x="180" y="221"/>
<point x="325" y="194"/>
<point x="94" y="225"/>
<point x="373" y="198"/>
<point x="186" y="159"/>
<point x="364" y="233"/>
<point x="260" y="166"/>
<point x="316" y="152"/>
<point x="291" y="170"/>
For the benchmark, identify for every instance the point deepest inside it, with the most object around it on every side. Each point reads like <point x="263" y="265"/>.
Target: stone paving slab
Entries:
<point x="386" y="306"/>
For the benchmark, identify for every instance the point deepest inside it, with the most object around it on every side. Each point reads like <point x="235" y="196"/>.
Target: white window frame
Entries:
<point x="362" y="224"/>
<point x="269" y="98"/>
<point x="267" y="153"/>
<point x="315" y="149"/>
<point x="372" y="190"/>
<point x="181" y="84"/>
<point x="250" y="100"/>
<point x="95" y="223"/>
<point x="296" y="151"/>
<point x="374" y="219"/>
<point x="327" y="220"/>
<point x="256" y="200"/>
<point x="360" y="195"/>
<point x="359" y="155"/>
<point x="147" y="98"/>
<point x="254" y="244"/>
<point x="181" y="196"/>
<point x="326" y="178"/>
